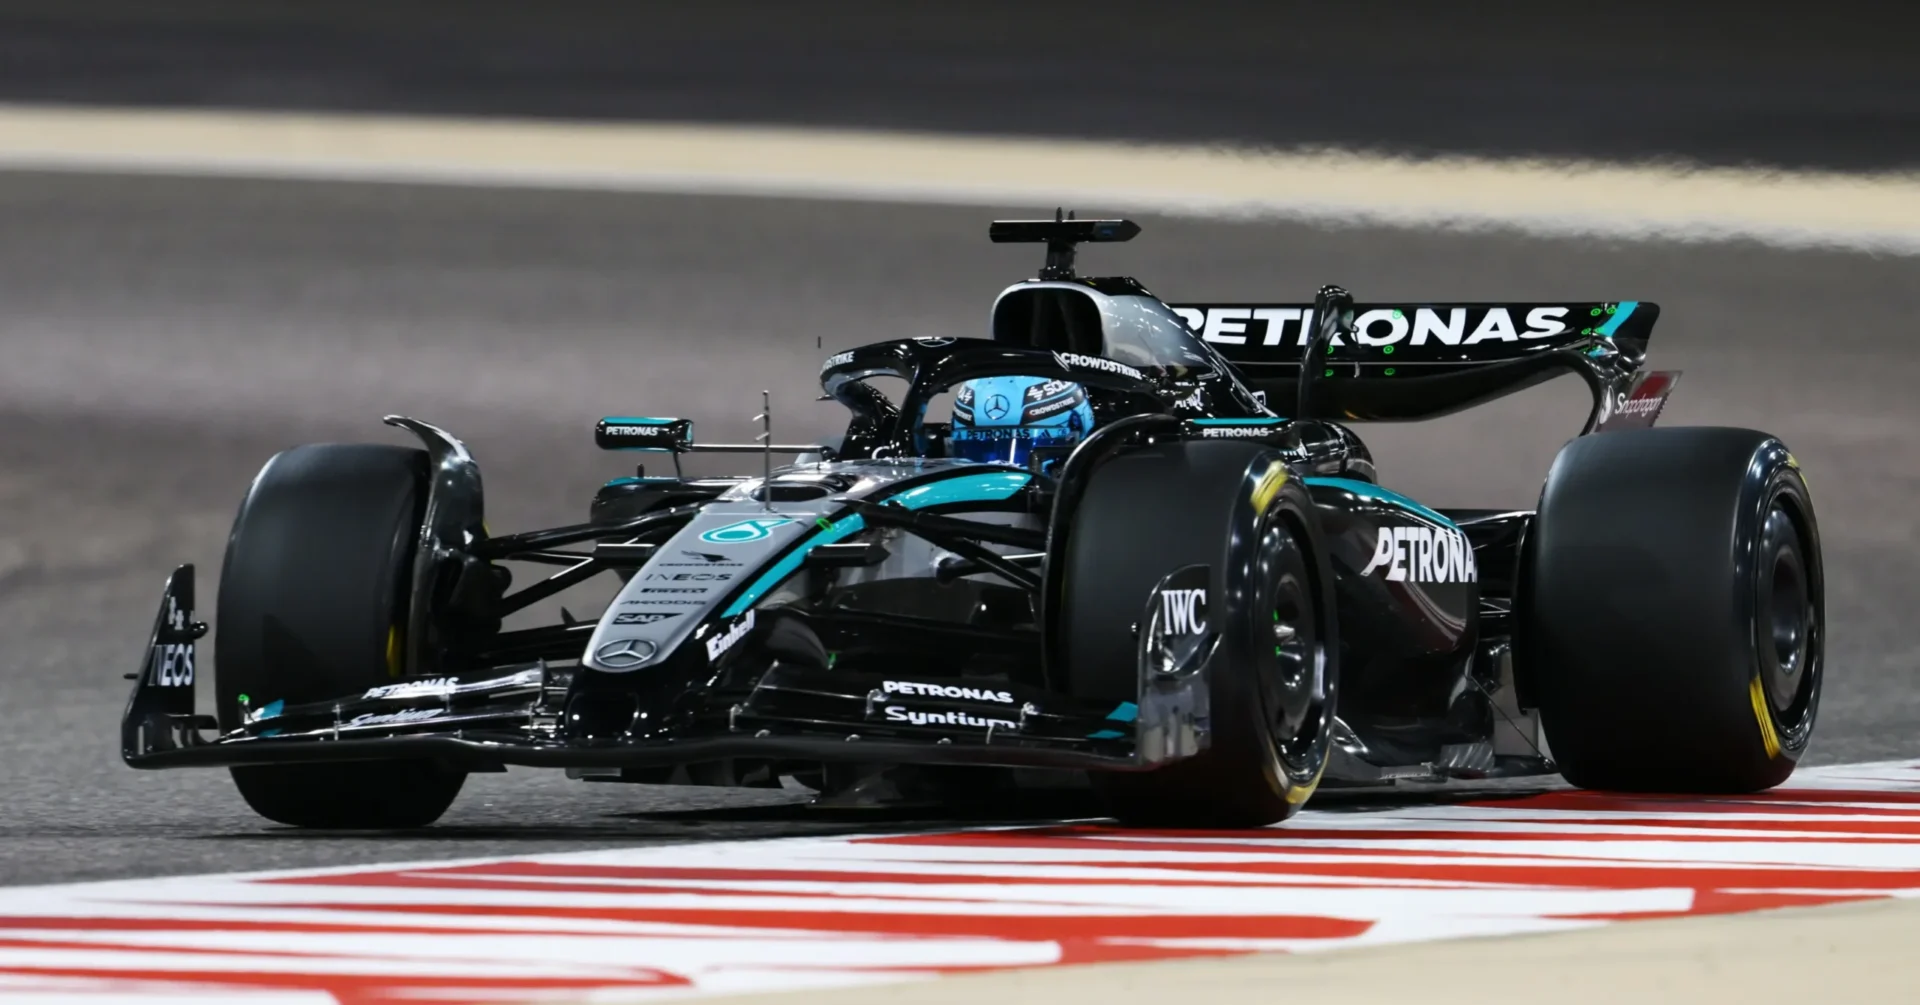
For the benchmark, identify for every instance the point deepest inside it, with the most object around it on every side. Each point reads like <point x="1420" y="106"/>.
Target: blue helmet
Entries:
<point x="1003" y="418"/>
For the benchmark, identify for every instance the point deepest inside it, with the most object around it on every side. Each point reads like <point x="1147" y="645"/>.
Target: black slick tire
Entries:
<point x="1670" y="611"/>
<point x="312" y="607"/>
<point x="1233" y="507"/>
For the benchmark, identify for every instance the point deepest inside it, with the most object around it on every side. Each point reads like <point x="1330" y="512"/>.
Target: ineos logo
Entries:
<point x="173" y="661"/>
<point x="1183" y="612"/>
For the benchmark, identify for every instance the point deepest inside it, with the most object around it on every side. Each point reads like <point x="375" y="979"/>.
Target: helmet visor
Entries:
<point x="1005" y="444"/>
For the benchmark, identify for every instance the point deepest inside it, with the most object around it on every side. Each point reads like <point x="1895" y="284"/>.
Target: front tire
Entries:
<point x="312" y="606"/>
<point x="1234" y="508"/>
<point x="1672" y="612"/>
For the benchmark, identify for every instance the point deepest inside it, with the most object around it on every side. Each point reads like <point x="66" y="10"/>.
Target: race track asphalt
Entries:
<point x="160" y="338"/>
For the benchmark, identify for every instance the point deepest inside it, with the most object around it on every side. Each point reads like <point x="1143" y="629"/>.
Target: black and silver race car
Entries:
<point x="1200" y="599"/>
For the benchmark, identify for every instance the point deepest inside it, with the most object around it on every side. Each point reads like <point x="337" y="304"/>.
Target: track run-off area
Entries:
<point x="826" y="913"/>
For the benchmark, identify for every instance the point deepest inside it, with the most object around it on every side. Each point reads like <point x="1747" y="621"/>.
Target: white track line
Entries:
<point x="835" y="913"/>
<point x="1792" y="209"/>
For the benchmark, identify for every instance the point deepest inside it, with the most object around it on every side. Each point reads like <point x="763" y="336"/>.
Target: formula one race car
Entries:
<point x="1133" y="545"/>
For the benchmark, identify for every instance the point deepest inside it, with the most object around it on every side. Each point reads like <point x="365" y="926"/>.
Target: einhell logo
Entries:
<point x="725" y="641"/>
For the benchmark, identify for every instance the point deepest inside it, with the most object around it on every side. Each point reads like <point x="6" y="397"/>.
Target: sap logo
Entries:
<point x="744" y="531"/>
<point x="918" y="718"/>
<point x="436" y="685"/>
<point x="928" y="690"/>
<point x="395" y="718"/>
<point x="1423" y="555"/>
<point x="837" y="359"/>
<point x="1377" y="327"/>
<point x="727" y="639"/>
<point x="643" y="618"/>
<point x="1073" y="360"/>
<point x="1183" y="612"/>
<point x="173" y="661"/>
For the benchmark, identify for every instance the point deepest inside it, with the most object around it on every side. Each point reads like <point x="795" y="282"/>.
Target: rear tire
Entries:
<point x="312" y="606"/>
<point x="1671" y="612"/>
<point x="1151" y="511"/>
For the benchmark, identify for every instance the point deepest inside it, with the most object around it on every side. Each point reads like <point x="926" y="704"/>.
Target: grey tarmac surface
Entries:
<point x="160" y="338"/>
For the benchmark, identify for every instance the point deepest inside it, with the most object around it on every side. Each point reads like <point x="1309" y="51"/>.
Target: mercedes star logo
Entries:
<point x="623" y="653"/>
<point x="997" y="407"/>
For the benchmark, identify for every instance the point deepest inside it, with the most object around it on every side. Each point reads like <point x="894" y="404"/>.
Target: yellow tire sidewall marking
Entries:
<point x="1763" y="713"/>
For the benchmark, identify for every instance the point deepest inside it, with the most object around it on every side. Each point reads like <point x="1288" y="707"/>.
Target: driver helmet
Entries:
<point x="1002" y="419"/>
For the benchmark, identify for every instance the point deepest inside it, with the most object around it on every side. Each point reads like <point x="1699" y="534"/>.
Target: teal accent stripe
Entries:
<point x="1621" y="311"/>
<point x="780" y="570"/>
<point x="990" y="486"/>
<point x="1106" y="734"/>
<point x="637" y="420"/>
<point x="1368" y="490"/>
<point x="1237" y="422"/>
<point x="1126" y="711"/>
<point x="986" y="486"/>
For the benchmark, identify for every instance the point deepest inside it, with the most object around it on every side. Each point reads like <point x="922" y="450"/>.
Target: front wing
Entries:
<point x="513" y="716"/>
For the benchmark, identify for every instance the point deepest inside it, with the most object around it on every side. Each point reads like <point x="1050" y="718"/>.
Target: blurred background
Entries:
<point x="163" y="332"/>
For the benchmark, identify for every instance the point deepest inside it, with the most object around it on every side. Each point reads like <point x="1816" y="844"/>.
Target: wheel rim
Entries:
<point x="1786" y="626"/>
<point x="1290" y="655"/>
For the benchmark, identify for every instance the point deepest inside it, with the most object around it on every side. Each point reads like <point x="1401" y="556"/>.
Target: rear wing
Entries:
<point x="1416" y="361"/>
